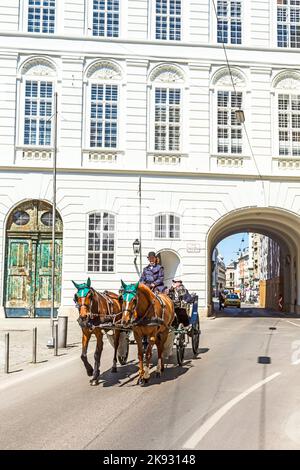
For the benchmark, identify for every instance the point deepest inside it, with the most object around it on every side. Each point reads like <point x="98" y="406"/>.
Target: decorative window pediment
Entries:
<point x="167" y="74"/>
<point x="287" y="81"/>
<point x="223" y="78"/>
<point x="104" y="71"/>
<point x="39" y="67"/>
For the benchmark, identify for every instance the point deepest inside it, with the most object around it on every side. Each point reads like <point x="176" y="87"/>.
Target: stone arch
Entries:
<point x="281" y="225"/>
<point x="287" y="79"/>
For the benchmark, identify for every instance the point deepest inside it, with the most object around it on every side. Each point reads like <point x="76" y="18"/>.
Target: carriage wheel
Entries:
<point x="123" y="358"/>
<point x="195" y="336"/>
<point x="180" y="347"/>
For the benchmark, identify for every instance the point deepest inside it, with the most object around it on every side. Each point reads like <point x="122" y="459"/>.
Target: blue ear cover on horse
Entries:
<point x="88" y="282"/>
<point x="123" y="284"/>
<point x="76" y="285"/>
<point x="136" y="286"/>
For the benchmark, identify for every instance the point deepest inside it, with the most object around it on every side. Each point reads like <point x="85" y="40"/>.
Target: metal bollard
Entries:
<point x="34" y="345"/>
<point x="62" y="331"/>
<point x="6" y="363"/>
<point x="56" y="340"/>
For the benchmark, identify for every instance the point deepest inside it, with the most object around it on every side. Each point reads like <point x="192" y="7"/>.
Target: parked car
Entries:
<point x="232" y="300"/>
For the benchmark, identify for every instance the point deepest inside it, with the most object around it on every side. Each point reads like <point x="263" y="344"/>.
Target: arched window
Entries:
<point x="287" y="105"/>
<point x="227" y="100"/>
<point x="101" y="242"/>
<point x="102" y="100"/>
<point x="167" y="99"/>
<point x="167" y="226"/>
<point x="37" y="87"/>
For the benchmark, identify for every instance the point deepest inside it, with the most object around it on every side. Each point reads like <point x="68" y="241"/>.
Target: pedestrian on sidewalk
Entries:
<point x="221" y="300"/>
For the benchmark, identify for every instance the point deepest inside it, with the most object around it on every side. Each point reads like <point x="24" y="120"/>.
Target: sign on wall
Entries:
<point x="193" y="248"/>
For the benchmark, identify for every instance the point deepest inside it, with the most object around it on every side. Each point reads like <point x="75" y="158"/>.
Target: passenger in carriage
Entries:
<point x="181" y="297"/>
<point x="153" y="274"/>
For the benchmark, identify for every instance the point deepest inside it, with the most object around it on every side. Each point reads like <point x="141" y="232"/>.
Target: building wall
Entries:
<point x="194" y="183"/>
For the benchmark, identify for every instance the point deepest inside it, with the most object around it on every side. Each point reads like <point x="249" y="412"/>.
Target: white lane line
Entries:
<point x="198" y="435"/>
<point x="292" y="323"/>
<point x="29" y="375"/>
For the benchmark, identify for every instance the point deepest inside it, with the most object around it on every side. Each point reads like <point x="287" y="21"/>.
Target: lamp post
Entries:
<point x="50" y="343"/>
<point x="136" y="251"/>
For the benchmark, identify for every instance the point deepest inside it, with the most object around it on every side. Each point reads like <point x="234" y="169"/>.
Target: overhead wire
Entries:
<point x="239" y="106"/>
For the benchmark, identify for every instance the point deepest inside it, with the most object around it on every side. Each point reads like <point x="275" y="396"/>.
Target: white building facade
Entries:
<point x="143" y="90"/>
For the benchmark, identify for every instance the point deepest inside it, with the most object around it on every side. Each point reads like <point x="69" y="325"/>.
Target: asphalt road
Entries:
<point x="242" y="392"/>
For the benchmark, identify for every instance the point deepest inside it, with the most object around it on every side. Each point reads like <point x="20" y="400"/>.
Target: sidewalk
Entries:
<point x="20" y="337"/>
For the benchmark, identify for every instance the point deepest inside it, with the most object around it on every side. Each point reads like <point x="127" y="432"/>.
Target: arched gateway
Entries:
<point x="282" y="226"/>
<point x="27" y="282"/>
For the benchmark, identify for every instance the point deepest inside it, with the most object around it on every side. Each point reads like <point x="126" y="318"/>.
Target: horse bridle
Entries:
<point x="88" y="307"/>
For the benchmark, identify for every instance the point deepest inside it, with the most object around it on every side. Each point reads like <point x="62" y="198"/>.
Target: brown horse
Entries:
<point x="149" y="315"/>
<point x="96" y="308"/>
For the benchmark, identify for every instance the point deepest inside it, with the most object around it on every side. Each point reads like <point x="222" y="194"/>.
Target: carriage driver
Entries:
<point x="153" y="274"/>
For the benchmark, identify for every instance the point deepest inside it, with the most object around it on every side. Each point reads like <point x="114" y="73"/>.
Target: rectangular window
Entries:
<point x="106" y="17"/>
<point x="229" y="130"/>
<point x="167" y="118"/>
<point x="167" y="226"/>
<point x="104" y="116"/>
<point x="38" y="112"/>
<point x="289" y="124"/>
<point x="168" y="20"/>
<point x="101" y="242"/>
<point x="288" y="23"/>
<point x="41" y="16"/>
<point x="229" y="27"/>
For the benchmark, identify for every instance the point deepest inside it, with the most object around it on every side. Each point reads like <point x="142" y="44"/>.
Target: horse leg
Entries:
<point x="139" y="342"/>
<point x="116" y="345"/>
<point x="161" y="339"/>
<point x="97" y="356"/>
<point x="85" y="342"/>
<point x="148" y="357"/>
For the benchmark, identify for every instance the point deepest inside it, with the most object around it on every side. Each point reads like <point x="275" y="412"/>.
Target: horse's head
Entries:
<point x="129" y="297"/>
<point x="83" y="299"/>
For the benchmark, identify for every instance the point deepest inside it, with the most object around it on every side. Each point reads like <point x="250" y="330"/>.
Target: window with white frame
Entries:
<point x="229" y="129"/>
<point x="168" y="20"/>
<point x="104" y="115"/>
<point x="288" y="23"/>
<point x="229" y="24"/>
<point x="289" y="124"/>
<point x="167" y="118"/>
<point x="38" y="111"/>
<point x="167" y="226"/>
<point x="41" y="16"/>
<point x="106" y="18"/>
<point x="101" y="242"/>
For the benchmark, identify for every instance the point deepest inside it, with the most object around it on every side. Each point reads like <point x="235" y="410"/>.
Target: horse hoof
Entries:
<point x="90" y="373"/>
<point x="114" y="370"/>
<point x="94" y="382"/>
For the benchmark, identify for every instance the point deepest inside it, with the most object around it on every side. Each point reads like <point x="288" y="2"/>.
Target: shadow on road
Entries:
<point x="253" y="312"/>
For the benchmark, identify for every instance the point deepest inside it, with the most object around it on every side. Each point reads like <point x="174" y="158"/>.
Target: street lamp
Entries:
<point x="136" y="251"/>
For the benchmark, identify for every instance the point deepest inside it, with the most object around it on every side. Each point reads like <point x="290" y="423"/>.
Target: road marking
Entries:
<point x="292" y="323"/>
<point x="198" y="435"/>
<point x="9" y="382"/>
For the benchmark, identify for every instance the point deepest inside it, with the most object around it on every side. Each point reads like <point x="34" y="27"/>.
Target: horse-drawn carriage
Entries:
<point x="139" y="311"/>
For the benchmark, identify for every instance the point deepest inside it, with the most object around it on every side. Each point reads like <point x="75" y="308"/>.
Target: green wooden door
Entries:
<point x="43" y="278"/>
<point x="19" y="278"/>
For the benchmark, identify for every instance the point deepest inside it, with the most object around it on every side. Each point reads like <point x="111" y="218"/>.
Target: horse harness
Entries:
<point x="157" y="320"/>
<point x="111" y="316"/>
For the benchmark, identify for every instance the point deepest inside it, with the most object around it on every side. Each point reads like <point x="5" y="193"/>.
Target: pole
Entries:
<point x="140" y="221"/>
<point x="34" y="344"/>
<point x="6" y="360"/>
<point x="51" y="341"/>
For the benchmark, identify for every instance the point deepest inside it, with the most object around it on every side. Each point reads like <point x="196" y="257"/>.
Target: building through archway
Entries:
<point x="280" y="225"/>
<point x="28" y="264"/>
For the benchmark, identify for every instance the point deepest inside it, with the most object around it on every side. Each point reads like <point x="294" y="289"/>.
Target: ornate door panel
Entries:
<point x="20" y="279"/>
<point x="28" y="281"/>
<point x="43" y="280"/>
